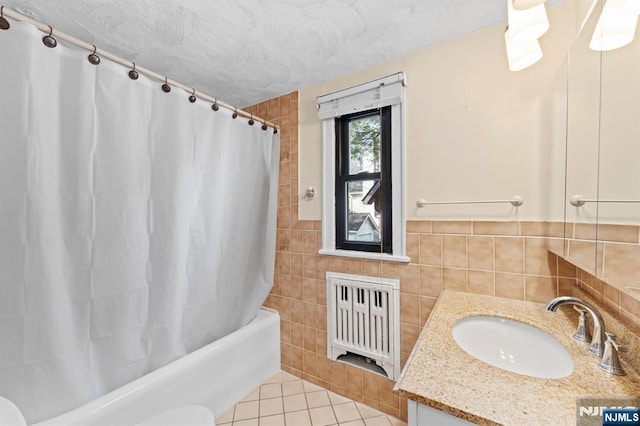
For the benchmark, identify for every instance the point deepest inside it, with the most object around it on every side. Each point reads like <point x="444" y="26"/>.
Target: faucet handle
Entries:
<point x="610" y="360"/>
<point x="614" y="342"/>
<point x="582" y="334"/>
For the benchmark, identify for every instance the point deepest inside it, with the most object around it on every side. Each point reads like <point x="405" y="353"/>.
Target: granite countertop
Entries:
<point x="442" y="375"/>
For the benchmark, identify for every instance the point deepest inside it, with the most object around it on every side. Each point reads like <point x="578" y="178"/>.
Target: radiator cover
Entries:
<point x="363" y="317"/>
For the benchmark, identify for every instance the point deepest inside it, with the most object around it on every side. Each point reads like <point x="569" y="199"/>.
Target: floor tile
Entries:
<point x="287" y="377"/>
<point x="254" y="395"/>
<point x="298" y="418"/>
<point x="277" y="420"/>
<point x="322" y="416"/>
<point x="269" y="407"/>
<point x="293" y="387"/>
<point x="270" y="390"/>
<point x="374" y="421"/>
<point x="286" y="400"/>
<point x="246" y="410"/>
<point x="276" y="378"/>
<point x="318" y="399"/>
<point x="249" y="422"/>
<point x="353" y="423"/>
<point x="226" y="417"/>
<point x="310" y="387"/>
<point x="396" y="422"/>
<point x="295" y="403"/>
<point x="366" y="411"/>
<point x="337" y="399"/>
<point x="346" y="412"/>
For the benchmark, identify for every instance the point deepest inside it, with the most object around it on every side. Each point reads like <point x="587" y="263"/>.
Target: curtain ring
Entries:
<point x="165" y="87"/>
<point x="264" y="125"/>
<point x="251" y="122"/>
<point x="275" y="130"/>
<point x="4" y="24"/>
<point x="93" y="58"/>
<point x="215" y="105"/>
<point x="133" y="74"/>
<point x="235" y="113"/>
<point x="48" y="40"/>
<point x="192" y="98"/>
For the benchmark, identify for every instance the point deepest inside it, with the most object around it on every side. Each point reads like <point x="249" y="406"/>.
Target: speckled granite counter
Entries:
<point x="442" y="375"/>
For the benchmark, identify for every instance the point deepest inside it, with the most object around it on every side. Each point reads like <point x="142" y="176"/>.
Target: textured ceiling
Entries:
<point x="247" y="51"/>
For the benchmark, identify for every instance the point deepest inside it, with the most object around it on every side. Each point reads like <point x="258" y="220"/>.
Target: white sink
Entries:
<point x="513" y="346"/>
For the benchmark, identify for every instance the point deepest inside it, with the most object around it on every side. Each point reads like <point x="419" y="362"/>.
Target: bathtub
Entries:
<point x="215" y="376"/>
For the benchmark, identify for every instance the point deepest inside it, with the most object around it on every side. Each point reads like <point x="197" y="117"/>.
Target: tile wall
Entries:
<point x="504" y="259"/>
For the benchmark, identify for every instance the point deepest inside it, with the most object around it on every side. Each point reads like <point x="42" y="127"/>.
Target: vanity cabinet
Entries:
<point x="422" y="415"/>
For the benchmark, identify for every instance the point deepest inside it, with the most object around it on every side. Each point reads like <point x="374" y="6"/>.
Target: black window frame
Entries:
<point x="342" y="177"/>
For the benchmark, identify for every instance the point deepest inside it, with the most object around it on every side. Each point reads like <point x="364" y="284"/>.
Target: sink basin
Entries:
<point x="513" y="346"/>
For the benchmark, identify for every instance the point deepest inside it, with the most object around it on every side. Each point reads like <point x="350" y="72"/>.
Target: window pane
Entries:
<point x="364" y="144"/>
<point x="363" y="221"/>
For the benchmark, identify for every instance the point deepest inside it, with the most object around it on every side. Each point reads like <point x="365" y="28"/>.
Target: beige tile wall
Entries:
<point x="504" y="259"/>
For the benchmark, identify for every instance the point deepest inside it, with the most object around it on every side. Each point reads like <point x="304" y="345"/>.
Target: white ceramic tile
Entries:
<point x="353" y="423"/>
<point x="292" y="387"/>
<point x="254" y="395"/>
<point x="396" y="421"/>
<point x="374" y="421"/>
<point x="269" y="407"/>
<point x="286" y="377"/>
<point x="295" y="403"/>
<point x="337" y="399"/>
<point x="276" y="378"/>
<point x="366" y="411"/>
<point x="249" y="422"/>
<point x="246" y="410"/>
<point x="226" y="417"/>
<point x="298" y="418"/>
<point x="322" y="416"/>
<point x="310" y="387"/>
<point x="318" y="399"/>
<point x="346" y="412"/>
<point x="270" y="390"/>
<point x="277" y="420"/>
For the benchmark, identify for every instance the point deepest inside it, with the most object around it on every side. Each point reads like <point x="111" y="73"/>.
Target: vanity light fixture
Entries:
<point x="526" y="24"/>
<point x="526" y="4"/>
<point x="524" y="28"/>
<point x="616" y="26"/>
<point x="522" y="54"/>
<point x="630" y="7"/>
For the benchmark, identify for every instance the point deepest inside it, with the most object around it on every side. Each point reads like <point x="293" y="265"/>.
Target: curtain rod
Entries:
<point x="154" y="75"/>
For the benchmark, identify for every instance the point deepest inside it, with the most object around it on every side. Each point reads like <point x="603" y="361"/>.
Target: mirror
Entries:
<point x="602" y="208"/>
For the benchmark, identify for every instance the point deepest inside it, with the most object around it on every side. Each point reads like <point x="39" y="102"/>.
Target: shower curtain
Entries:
<point x="135" y="226"/>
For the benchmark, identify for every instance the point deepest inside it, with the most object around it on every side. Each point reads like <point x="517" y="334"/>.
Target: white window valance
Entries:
<point x="371" y="95"/>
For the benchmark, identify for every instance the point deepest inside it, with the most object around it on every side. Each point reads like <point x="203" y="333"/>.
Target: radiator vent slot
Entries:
<point x="363" y="319"/>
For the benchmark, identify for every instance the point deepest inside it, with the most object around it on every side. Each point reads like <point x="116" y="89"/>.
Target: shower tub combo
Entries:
<point x="215" y="376"/>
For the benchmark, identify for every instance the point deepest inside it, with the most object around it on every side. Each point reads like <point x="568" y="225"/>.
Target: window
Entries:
<point x="363" y="179"/>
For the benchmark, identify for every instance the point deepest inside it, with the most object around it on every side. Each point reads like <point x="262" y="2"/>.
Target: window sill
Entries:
<point x="365" y="255"/>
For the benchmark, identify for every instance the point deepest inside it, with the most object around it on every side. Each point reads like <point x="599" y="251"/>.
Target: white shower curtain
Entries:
<point x="134" y="226"/>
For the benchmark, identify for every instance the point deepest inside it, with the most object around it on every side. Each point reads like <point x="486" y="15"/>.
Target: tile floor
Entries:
<point x="286" y="400"/>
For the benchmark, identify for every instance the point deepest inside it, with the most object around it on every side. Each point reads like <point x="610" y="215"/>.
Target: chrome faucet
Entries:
<point x="596" y="347"/>
<point x="610" y="361"/>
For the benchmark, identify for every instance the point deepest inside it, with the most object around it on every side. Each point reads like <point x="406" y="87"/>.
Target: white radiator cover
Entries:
<point x="363" y="317"/>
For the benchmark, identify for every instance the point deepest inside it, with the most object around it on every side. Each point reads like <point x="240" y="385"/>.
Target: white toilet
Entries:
<point x="192" y="415"/>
